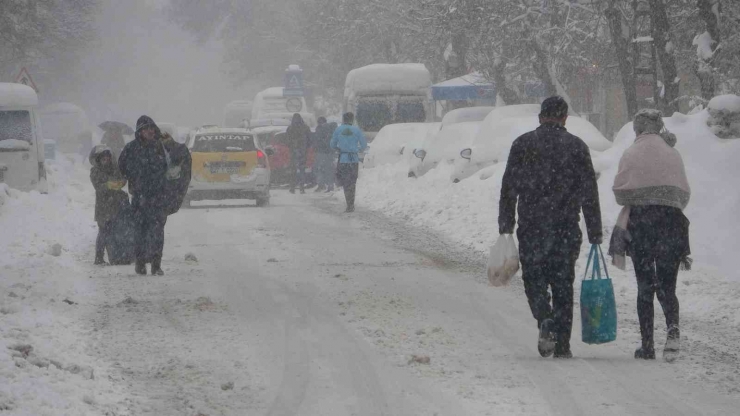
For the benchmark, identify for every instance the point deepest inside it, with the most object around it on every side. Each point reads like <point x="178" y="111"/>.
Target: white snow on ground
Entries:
<point x="45" y="367"/>
<point x="467" y="213"/>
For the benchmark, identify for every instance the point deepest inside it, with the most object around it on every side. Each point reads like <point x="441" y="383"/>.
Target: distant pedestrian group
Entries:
<point x="330" y="142"/>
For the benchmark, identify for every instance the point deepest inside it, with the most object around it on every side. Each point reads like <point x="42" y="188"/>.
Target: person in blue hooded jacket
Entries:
<point x="349" y="141"/>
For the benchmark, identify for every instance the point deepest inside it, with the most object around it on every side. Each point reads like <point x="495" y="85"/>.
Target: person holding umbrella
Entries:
<point x="113" y="136"/>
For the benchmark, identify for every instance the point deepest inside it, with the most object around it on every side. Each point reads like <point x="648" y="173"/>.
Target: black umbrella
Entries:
<point x="116" y="125"/>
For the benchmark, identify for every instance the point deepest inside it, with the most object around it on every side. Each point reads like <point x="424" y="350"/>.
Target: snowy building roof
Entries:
<point x="379" y="79"/>
<point x="17" y="95"/>
<point x="472" y="86"/>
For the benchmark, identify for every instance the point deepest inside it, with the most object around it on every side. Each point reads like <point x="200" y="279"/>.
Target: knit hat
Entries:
<point x="648" y="120"/>
<point x="554" y="107"/>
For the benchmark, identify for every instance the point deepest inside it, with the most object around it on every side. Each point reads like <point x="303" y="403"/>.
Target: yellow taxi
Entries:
<point x="228" y="163"/>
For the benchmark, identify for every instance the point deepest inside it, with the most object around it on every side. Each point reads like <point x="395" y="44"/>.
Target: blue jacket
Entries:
<point x="349" y="141"/>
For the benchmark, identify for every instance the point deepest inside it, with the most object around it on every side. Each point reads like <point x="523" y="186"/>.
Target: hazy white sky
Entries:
<point x="147" y="65"/>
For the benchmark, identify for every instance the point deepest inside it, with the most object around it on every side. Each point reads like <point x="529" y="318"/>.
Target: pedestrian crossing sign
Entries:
<point x="25" y="78"/>
<point x="293" y="82"/>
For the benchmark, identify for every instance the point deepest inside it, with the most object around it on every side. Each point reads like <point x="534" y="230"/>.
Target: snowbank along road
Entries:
<point x="297" y="309"/>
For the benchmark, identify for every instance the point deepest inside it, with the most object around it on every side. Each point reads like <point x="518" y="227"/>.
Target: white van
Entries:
<point x="21" y="143"/>
<point x="237" y="114"/>
<point x="270" y="104"/>
<point x="382" y="94"/>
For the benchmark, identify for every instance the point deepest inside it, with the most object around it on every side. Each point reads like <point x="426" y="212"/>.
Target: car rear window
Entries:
<point x="223" y="143"/>
<point x="15" y="125"/>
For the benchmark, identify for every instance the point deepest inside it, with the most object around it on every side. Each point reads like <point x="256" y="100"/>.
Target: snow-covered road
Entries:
<point x="299" y="310"/>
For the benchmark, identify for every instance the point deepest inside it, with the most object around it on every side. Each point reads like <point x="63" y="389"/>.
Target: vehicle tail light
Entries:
<point x="261" y="159"/>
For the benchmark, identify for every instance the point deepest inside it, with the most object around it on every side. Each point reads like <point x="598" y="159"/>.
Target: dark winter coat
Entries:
<point x="550" y="175"/>
<point x="298" y="137"/>
<point x="108" y="200"/>
<point x="177" y="183"/>
<point x="144" y="165"/>
<point x="322" y="138"/>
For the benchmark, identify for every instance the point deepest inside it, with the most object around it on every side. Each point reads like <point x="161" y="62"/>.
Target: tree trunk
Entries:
<point x="666" y="56"/>
<point x="541" y="67"/>
<point x="706" y="69"/>
<point x="620" y="39"/>
<point x="509" y="96"/>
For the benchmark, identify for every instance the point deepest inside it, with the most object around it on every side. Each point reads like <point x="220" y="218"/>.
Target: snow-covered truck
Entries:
<point x="271" y="104"/>
<point x="382" y="94"/>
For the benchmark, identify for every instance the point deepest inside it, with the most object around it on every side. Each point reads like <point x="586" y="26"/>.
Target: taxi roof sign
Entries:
<point x="25" y="78"/>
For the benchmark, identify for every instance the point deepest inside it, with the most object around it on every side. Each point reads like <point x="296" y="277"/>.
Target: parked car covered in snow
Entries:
<point x="503" y="125"/>
<point x="396" y="142"/>
<point x="443" y="147"/>
<point x="462" y="115"/>
<point x="21" y="144"/>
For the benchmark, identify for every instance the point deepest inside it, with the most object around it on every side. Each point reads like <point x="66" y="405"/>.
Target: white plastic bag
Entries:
<point x="503" y="262"/>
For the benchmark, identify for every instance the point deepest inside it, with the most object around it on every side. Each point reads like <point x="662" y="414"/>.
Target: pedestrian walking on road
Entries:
<point x="109" y="198"/>
<point x="349" y="141"/>
<point x="652" y="186"/>
<point x="549" y="180"/>
<point x="298" y="136"/>
<point x="144" y="164"/>
<point x="324" y="155"/>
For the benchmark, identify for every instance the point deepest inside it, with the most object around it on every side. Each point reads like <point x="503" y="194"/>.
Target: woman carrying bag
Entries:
<point x="652" y="186"/>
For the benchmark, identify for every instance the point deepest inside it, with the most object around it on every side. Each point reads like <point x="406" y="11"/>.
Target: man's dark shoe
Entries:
<point x="157" y="272"/>
<point x="140" y="268"/>
<point x="329" y="189"/>
<point x="562" y="354"/>
<point x="303" y="191"/>
<point x="546" y="341"/>
<point x="643" y="353"/>
<point x="319" y="189"/>
<point x="350" y="209"/>
<point x="292" y="191"/>
<point x="99" y="262"/>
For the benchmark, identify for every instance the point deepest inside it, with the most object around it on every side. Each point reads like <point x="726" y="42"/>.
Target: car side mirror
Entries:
<point x="420" y="153"/>
<point x="269" y="151"/>
<point x="466" y="153"/>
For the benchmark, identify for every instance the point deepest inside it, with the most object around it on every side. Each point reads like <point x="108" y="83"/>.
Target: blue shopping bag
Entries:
<point x="598" y="307"/>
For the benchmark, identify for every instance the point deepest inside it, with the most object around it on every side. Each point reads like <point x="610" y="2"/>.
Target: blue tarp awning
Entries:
<point x="467" y="87"/>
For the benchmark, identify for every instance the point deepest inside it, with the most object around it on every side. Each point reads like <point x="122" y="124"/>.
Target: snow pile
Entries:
<point x="444" y="147"/>
<point x="462" y="115"/>
<point x="388" y="79"/>
<point x="44" y="363"/>
<point x="14" y="144"/>
<point x="724" y="120"/>
<point x="467" y="211"/>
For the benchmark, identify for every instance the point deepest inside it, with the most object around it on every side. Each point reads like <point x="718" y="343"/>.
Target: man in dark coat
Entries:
<point x="550" y="174"/>
<point x="109" y="198"/>
<point x="143" y="163"/>
<point x="298" y="135"/>
<point x="324" y="155"/>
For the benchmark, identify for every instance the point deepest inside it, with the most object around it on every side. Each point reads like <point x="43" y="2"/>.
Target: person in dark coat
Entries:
<point x="144" y="164"/>
<point x="652" y="186"/>
<point x="298" y="136"/>
<point x="549" y="179"/>
<point x="109" y="198"/>
<point x="324" y="155"/>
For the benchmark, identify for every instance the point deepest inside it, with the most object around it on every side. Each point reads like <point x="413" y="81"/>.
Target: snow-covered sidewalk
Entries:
<point x="45" y="264"/>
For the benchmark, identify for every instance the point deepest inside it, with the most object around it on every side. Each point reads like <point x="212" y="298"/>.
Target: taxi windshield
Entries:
<point x="223" y="143"/>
